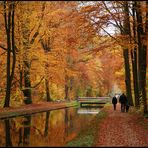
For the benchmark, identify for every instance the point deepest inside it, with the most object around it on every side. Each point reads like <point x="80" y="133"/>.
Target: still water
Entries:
<point x="52" y="128"/>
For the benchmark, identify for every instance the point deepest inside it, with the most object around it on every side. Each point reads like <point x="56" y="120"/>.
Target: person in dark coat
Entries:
<point x="123" y="101"/>
<point x="127" y="105"/>
<point x="114" y="102"/>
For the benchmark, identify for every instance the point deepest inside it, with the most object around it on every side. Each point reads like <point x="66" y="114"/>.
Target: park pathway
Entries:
<point x="8" y="112"/>
<point x="123" y="130"/>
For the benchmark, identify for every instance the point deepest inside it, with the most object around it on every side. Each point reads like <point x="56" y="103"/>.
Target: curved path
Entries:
<point x="122" y="129"/>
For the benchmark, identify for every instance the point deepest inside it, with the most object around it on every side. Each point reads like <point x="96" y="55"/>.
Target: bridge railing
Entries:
<point x="107" y="99"/>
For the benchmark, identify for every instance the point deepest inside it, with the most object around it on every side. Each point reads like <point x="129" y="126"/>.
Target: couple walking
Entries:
<point x="123" y="101"/>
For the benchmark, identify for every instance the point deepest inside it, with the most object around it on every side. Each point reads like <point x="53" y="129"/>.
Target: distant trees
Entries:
<point x="62" y="43"/>
<point x="130" y="19"/>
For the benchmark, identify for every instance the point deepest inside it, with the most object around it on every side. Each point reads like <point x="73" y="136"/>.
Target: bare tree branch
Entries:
<point x="38" y="83"/>
<point x="3" y="47"/>
<point x="37" y="32"/>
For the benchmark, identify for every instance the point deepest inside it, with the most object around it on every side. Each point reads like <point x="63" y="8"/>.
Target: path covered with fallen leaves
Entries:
<point x="122" y="129"/>
<point x="8" y="112"/>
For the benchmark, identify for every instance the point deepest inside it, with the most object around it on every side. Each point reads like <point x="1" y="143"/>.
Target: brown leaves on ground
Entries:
<point x="122" y="129"/>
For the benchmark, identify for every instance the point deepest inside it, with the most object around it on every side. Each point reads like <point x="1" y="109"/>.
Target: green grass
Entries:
<point x="85" y="141"/>
<point x="86" y="137"/>
<point x="74" y="103"/>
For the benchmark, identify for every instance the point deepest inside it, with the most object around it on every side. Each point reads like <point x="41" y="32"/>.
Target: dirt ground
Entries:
<point x="122" y="129"/>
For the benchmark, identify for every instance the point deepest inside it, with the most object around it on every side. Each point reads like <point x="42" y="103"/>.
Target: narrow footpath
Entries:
<point x="9" y="112"/>
<point x="122" y="129"/>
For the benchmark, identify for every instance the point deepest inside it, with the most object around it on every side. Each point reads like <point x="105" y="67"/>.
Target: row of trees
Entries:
<point x="48" y="49"/>
<point x="130" y="18"/>
<point x="57" y="49"/>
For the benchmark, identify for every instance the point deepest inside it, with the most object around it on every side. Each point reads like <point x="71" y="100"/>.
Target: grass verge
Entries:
<point x="86" y="137"/>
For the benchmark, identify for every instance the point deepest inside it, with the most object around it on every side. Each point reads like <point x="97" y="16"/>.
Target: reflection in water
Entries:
<point x="8" y="134"/>
<point x="88" y="110"/>
<point x="27" y="124"/>
<point x="52" y="128"/>
<point x="46" y="123"/>
<point x="24" y="137"/>
<point x="66" y="124"/>
<point x="20" y="137"/>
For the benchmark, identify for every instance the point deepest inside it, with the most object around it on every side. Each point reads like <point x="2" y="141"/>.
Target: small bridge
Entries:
<point x="93" y="100"/>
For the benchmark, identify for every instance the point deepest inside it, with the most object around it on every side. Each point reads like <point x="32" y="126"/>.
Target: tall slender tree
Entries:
<point x="134" y="56"/>
<point x="27" y="43"/>
<point x="9" y="27"/>
<point x="142" y="31"/>
<point x="46" y="44"/>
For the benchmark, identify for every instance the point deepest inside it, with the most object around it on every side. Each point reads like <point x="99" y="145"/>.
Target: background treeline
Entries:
<point x="61" y="50"/>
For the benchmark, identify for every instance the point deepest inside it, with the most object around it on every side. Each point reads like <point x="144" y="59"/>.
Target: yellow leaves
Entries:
<point x="119" y="73"/>
<point x="73" y="44"/>
<point x="57" y="91"/>
<point x="58" y="12"/>
<point x="71" y="72"/>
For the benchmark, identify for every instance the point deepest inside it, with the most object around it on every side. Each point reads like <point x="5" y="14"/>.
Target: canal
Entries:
<point x="51" y="128"/>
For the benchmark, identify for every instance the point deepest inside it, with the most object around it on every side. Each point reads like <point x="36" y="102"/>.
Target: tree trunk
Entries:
<point x="26" y="60"/>
<point x="8" y="134"/>
<point x="20" y="137"/>
<point x="21" y="76"/>
<point x="142" y="54"/>
<point x="27" y="124"/>
<point x="134" y="60"/>
<point x="66" y="124"/>
<point x="9" y="27"/>
<point x="46" y="123"/>
<point x="47" y="90"/>
<point x="66" y="91"/>
<point x="27" y="82"/>
<point x="127" y="32"/>
<point x="127" y="76"/>
<point x="135" y="76"/>
<point x="46" y="44"/>
<point x="144" y="64"/>
<point x="13" y="44"/>
<point x="66" y="88"/>
<point x="27" y="46"/>
<point x="47" y="79"/>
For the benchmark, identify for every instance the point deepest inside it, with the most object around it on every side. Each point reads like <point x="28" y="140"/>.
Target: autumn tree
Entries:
<point x="126" y="32"/>
<point x="28" y="36"/>
<point x="9" y="9"/>
<point x="130" y="20"/>
<point x="142" y="31"/>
